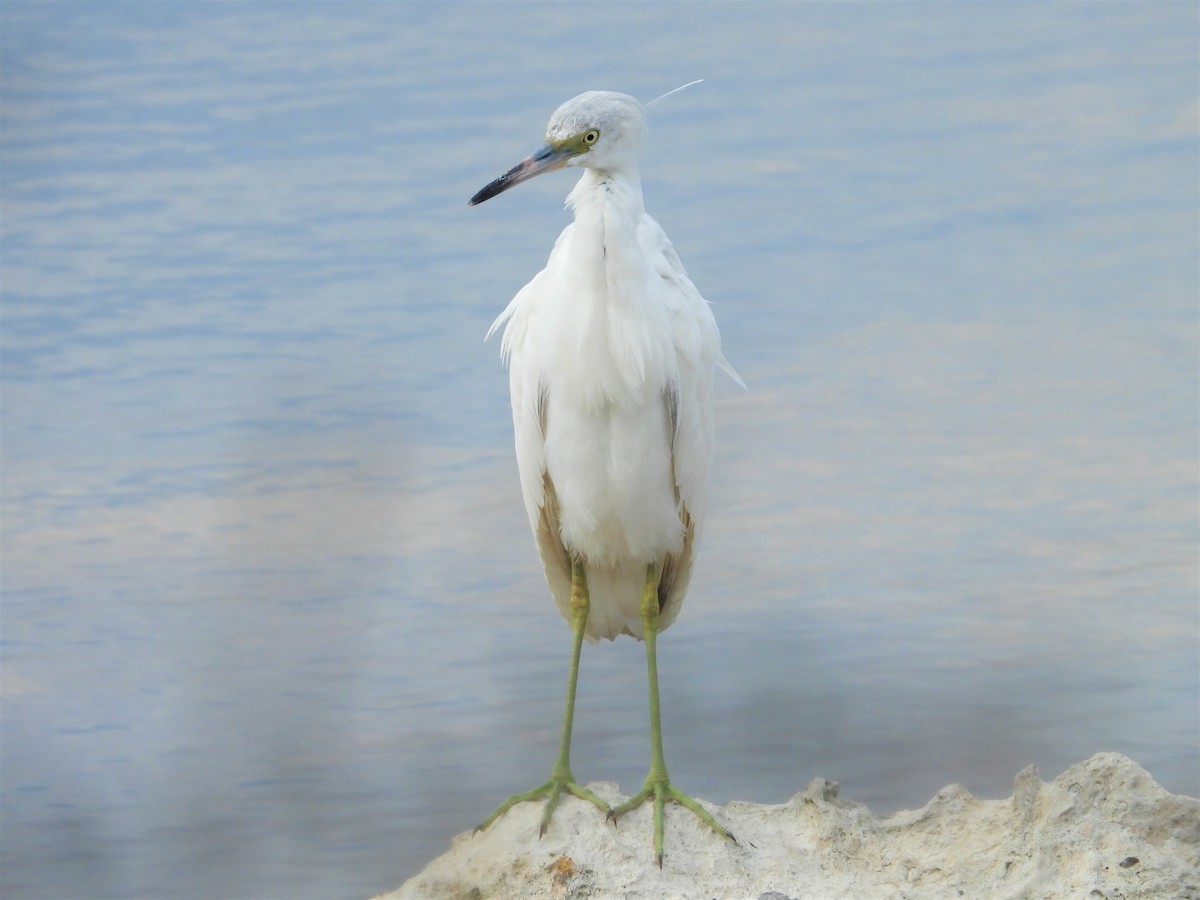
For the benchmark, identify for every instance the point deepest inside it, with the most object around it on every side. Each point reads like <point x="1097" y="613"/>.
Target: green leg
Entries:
<point x="561" y="779"/>
<point x="658" y="784"/>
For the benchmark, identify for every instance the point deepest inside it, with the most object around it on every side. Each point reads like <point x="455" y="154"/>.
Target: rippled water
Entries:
<point x="272" y="623"/>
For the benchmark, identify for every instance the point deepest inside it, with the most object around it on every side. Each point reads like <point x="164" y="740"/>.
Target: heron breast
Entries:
<point x="613" y="475"/>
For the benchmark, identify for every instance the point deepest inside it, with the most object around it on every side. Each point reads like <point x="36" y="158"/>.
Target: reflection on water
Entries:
<point x="272" y="623"/>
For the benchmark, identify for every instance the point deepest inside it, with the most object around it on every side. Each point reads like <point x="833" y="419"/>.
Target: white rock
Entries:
<point x="1102" y="829"/>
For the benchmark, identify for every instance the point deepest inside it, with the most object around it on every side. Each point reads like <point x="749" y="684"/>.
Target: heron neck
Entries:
<point x="606" y="189"/>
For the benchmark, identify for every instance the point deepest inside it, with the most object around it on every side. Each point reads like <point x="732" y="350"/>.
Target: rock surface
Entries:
<point x="1102" y="829"/>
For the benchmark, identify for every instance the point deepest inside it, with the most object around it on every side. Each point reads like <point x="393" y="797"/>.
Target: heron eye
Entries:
<point x="590" y="137"/>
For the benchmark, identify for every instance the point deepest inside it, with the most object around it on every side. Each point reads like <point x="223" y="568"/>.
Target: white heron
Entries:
<point x="611" y="353"/>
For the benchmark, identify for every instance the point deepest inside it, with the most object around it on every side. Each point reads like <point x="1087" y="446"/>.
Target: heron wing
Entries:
<point x="556" y="560"/>
<point x="528" y="395"/>
<point x="697" y="347"/>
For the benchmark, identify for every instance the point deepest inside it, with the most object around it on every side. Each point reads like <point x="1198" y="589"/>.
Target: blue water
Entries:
<point x="272" y="623"/>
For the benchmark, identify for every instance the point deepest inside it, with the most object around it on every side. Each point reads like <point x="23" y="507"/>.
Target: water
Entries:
<point x="272" y="624"/>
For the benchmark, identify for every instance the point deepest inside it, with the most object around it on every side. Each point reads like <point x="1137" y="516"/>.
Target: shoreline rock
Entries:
<point x="1102" y="829"/>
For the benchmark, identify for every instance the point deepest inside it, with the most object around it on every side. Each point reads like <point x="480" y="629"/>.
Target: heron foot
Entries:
<point x="551" y="792"/>
<point x="661" y="791"/>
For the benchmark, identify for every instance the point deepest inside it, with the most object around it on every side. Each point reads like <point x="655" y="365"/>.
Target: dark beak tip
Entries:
<point x="519" y="173"/>
<point x="499" y="186"/>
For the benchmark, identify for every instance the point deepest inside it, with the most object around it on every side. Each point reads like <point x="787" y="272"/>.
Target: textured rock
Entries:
<point x="1102" y="829"/>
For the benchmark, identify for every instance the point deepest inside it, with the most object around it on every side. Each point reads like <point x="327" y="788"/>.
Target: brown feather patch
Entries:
<point x="549" y="535"/>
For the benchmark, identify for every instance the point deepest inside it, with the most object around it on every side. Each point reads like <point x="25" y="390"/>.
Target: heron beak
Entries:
<point x="546" y="159"/>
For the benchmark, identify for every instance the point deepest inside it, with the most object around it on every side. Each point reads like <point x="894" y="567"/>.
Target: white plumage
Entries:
<point x="611" y="352"/>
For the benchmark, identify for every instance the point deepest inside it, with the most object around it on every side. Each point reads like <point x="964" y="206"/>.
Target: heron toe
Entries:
<point x="551" y="792"/>
<point x="661" y="791"/>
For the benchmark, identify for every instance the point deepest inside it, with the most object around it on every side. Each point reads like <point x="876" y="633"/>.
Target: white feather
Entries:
<point x="611" y="353"/>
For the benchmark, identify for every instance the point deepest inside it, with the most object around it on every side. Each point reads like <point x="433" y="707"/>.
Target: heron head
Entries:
<point x="597" y="130"/>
